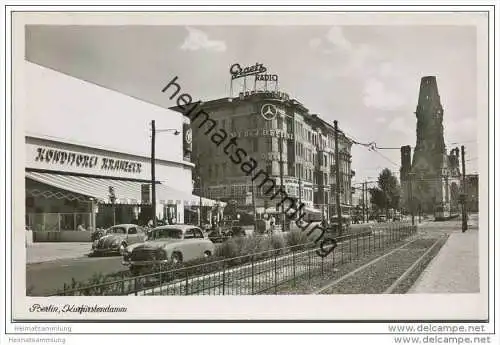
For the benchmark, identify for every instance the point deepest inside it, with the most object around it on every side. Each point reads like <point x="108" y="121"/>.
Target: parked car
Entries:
<point x="168" y="244"/>
<point x="117" y="238"/>
<point x="346" y="224"/>
<point x="381" y="219"/>
<point x="226" y="230"/>
<point x="97" y="234"/>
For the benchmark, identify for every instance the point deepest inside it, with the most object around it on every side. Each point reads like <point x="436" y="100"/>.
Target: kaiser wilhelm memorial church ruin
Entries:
<point x="430" y="180"/>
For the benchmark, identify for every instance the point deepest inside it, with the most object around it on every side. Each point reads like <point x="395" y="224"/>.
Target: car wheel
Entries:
<point x="176" y="258"/>
<point x="207" y="254"/>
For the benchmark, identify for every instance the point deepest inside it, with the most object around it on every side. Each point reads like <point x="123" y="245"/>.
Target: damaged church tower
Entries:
<point x="435" y="175"/>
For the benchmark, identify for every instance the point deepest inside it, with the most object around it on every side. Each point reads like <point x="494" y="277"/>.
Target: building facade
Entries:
<point x="293" y="146"/>
<point x="87" y="157"/>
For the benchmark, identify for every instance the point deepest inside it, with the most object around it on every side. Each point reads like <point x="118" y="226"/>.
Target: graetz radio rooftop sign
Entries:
<point x="258" y="70"/>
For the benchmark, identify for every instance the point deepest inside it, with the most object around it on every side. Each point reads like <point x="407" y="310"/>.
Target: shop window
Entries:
<point x="30" y="202"/>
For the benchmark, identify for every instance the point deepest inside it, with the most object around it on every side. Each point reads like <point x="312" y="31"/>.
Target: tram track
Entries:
<point x="389" y="273"/>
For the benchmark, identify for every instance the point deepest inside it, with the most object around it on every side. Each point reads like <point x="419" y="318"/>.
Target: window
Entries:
<point x="165" y="233"/>
<point x="255" y="145"/>
<point x="233" y="124"/>
<point x="280" y="122"/>
<point x="197" y="233"/>
<point x="269" y="142"/>
<point x="223" y="125"/>
<point x="132" y="231"/>
<point x="189" y="234"/>
<point x="289" y="124"/>
<point x="269" y="167"/>
<point x="117" y="230"/>
<point x="254" y="122"/>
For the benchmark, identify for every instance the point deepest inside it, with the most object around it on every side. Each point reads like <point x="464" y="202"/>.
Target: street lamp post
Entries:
<point x="153" y="161"/>
<point x="201" y="203"/>
<point x="410" y="197"/>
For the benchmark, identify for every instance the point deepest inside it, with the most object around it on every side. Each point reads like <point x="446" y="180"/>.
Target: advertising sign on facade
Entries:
<point x="238" y="72"/>
<point x="80" y="160"/>
<point x="263" y="132"/>
<point x="187" y="142"/>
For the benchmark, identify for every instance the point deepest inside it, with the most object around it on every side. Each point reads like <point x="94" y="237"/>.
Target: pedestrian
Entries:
<point x="272" y="222"/>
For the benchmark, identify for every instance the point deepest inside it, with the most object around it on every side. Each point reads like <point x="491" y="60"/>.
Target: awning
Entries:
<point x="126" y="192"/>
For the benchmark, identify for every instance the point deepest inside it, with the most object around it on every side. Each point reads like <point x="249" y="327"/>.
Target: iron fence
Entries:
<point x="257" y="273"/>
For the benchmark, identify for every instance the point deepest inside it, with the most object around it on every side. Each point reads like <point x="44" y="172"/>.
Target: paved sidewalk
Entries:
<point x="50" y="251"/>
<point x="456" y="267"/>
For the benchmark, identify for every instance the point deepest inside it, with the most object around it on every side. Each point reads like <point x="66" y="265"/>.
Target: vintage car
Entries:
<point x="117" y="238"/>
<point x="168" y="244"/>
<point x="225" y="231"/>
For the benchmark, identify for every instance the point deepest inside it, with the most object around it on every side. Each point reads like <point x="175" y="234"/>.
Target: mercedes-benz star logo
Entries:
<point x="189" y="136"/>
<point x="269" y="111"/>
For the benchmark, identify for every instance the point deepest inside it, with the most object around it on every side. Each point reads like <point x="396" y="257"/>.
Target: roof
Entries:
<point x="124" y="225"/>
<point x="182" y="227"/>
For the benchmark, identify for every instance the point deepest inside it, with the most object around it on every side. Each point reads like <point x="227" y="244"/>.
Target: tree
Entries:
<point x="387" y="194"/>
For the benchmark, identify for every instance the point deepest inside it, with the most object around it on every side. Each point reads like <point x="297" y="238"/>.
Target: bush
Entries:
<point x="228" y="249"/>
<point x="236" y="251"/>
<point x="277" y="242"/>
<point x="297" y="239"/>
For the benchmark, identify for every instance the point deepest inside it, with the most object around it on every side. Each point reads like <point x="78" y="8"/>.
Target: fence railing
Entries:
<point x="257" y="273"/>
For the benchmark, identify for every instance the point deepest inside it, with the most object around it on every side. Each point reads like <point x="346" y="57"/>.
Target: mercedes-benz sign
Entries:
<point x="269" y="111"/>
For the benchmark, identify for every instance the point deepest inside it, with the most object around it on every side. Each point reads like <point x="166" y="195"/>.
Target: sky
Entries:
<point x="365" y="77"/>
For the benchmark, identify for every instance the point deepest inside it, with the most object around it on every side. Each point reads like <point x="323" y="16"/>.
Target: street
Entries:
<point x="46" y="277"/>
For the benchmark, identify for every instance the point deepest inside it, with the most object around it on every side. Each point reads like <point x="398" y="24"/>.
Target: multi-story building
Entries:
<point x="285" y="140"/>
